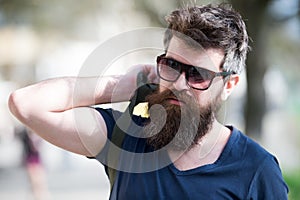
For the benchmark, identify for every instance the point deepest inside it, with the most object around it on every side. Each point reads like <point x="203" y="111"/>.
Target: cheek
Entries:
<point x="208" y="96"/>
<point x="216" y="88"/>
<point x="164" y="85"/>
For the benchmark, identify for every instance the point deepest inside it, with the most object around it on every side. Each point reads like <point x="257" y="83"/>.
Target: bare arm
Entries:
<point x="57" y="109"/>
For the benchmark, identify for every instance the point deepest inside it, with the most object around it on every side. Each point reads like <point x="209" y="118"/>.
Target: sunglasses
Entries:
<point x="197" y="78"/>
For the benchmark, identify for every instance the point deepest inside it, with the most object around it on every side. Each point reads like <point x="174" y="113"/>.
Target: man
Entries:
<point x="182" y="151"/>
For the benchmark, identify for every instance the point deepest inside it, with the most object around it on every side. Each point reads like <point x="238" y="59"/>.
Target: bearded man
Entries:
<point x="181" y="151"/>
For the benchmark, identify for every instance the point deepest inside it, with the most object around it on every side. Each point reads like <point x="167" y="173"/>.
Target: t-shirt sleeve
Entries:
<point x="110" y="116"/>
<point x="268" y="183"/>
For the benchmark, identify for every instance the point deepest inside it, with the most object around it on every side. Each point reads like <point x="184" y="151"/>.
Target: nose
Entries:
<point x="181" y="83"/>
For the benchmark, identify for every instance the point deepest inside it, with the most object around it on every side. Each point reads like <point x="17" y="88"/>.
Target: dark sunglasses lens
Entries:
<point x="168" y="69"/>
<point x="199" y="78"/>
<point x="199" y="75"/>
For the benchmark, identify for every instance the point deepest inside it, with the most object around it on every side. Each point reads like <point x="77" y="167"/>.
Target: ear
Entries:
<point x="230" y="84"/>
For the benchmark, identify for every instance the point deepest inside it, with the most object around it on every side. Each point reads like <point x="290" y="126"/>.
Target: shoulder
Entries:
<point x="250" y="155"/>
<point x="247" y="148"/>
<point x="267" y="181"/>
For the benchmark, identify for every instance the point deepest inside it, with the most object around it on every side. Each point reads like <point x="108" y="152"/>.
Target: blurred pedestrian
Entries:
<point x="33" y="164"/>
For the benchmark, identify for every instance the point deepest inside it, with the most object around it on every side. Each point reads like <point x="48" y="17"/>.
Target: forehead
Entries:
<point x="206" y="58"/>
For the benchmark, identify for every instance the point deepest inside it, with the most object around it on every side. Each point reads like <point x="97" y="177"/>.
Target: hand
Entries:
<point x="127" y="83"/>
<point x="149" y="72"/>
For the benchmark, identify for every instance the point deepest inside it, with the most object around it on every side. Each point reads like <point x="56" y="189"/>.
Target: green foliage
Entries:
<point x="293" y="182"/>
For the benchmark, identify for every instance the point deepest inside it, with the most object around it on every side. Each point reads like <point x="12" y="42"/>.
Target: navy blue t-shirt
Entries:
<point x="244" y="170"/>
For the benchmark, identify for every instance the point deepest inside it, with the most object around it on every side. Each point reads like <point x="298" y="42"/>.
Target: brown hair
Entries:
<point x="212" y="26"/>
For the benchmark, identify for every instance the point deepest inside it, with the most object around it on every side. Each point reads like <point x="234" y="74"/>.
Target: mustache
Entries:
<point x="161" y="97"/>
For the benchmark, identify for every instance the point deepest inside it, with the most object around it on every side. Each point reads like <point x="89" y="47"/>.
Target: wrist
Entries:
<point x="112" y="89"/>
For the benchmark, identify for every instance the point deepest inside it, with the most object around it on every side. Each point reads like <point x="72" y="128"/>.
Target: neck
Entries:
<point x="206" y="150"/>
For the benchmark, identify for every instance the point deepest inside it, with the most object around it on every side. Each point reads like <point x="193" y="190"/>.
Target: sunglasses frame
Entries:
<point x="185" y="66"/>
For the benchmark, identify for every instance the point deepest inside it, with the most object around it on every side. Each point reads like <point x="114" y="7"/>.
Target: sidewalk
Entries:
<point x="77" y="178"/>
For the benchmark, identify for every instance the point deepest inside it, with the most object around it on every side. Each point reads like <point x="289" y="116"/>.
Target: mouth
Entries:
<point x="175" y="101"/>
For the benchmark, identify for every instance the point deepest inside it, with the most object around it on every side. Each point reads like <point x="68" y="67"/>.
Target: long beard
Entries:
<point x="176" y="127"/>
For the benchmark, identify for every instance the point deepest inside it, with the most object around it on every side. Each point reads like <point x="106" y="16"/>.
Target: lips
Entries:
<point x="175" y="101"/>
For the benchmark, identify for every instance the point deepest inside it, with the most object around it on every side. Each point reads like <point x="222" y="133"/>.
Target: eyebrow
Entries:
<point x="189" y="65"/>
<point x="171" y="57"/>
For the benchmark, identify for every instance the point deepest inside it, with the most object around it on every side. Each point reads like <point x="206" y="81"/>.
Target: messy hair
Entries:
<point x="212" y="26"/>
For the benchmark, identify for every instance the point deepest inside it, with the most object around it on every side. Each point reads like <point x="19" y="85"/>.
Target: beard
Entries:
<point x="184" y="124"/>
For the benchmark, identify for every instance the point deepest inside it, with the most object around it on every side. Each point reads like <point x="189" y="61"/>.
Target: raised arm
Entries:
<point x="58" y="109"/>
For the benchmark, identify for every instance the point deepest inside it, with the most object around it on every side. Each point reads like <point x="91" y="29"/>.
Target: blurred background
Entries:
<point x="41" y="39"/>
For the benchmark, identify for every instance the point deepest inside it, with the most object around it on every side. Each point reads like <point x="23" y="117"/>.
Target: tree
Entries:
<point x="255" y="14"/>
<point x="258" y="19"/>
